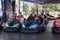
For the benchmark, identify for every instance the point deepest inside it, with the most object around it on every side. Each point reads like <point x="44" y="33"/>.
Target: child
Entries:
<point x="20" y="18"/>
<point x="38" y="20"/>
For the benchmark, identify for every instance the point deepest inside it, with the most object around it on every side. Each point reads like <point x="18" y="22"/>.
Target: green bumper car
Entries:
<point x="12" y="26"/>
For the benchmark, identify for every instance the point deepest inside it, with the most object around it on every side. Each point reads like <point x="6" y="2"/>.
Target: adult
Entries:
<point x="31" y="17"/>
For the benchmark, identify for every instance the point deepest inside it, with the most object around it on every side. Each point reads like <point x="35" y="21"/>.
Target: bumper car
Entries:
<point x="56" y="26"/>
<point x="12" y="26"/>
<point x="32" y="27"/>
<point x="1" y="27"/>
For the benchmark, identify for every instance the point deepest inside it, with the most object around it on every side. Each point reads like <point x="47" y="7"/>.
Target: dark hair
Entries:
<point x="33" y="13"/>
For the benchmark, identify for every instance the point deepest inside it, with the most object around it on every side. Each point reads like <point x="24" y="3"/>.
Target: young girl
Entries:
<point x="20" y="18"/>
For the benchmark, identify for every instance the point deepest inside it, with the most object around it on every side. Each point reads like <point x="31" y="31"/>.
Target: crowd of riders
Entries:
<point x="21" y="20"/>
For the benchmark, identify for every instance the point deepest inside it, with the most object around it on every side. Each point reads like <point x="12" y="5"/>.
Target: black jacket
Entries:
<point x="30" y="18"/>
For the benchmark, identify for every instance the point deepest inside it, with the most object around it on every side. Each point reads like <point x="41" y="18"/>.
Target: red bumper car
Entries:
<point x="56" y="26"/>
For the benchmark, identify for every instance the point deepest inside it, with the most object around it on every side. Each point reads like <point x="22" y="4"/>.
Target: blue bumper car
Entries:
<point x="32" y="27"/>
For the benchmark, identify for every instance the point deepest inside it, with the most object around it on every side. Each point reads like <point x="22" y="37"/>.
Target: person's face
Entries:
<point x="36" y="18"/>
<point x="33" y="15"/>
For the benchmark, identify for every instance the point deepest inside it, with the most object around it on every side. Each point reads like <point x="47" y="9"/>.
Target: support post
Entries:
<point x="3" y="2"/>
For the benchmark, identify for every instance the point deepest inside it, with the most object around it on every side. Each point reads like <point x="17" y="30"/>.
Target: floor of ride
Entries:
<point x="47" y="35"/>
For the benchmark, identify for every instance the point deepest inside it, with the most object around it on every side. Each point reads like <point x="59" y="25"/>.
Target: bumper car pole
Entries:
<point x="3" y="3"/>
